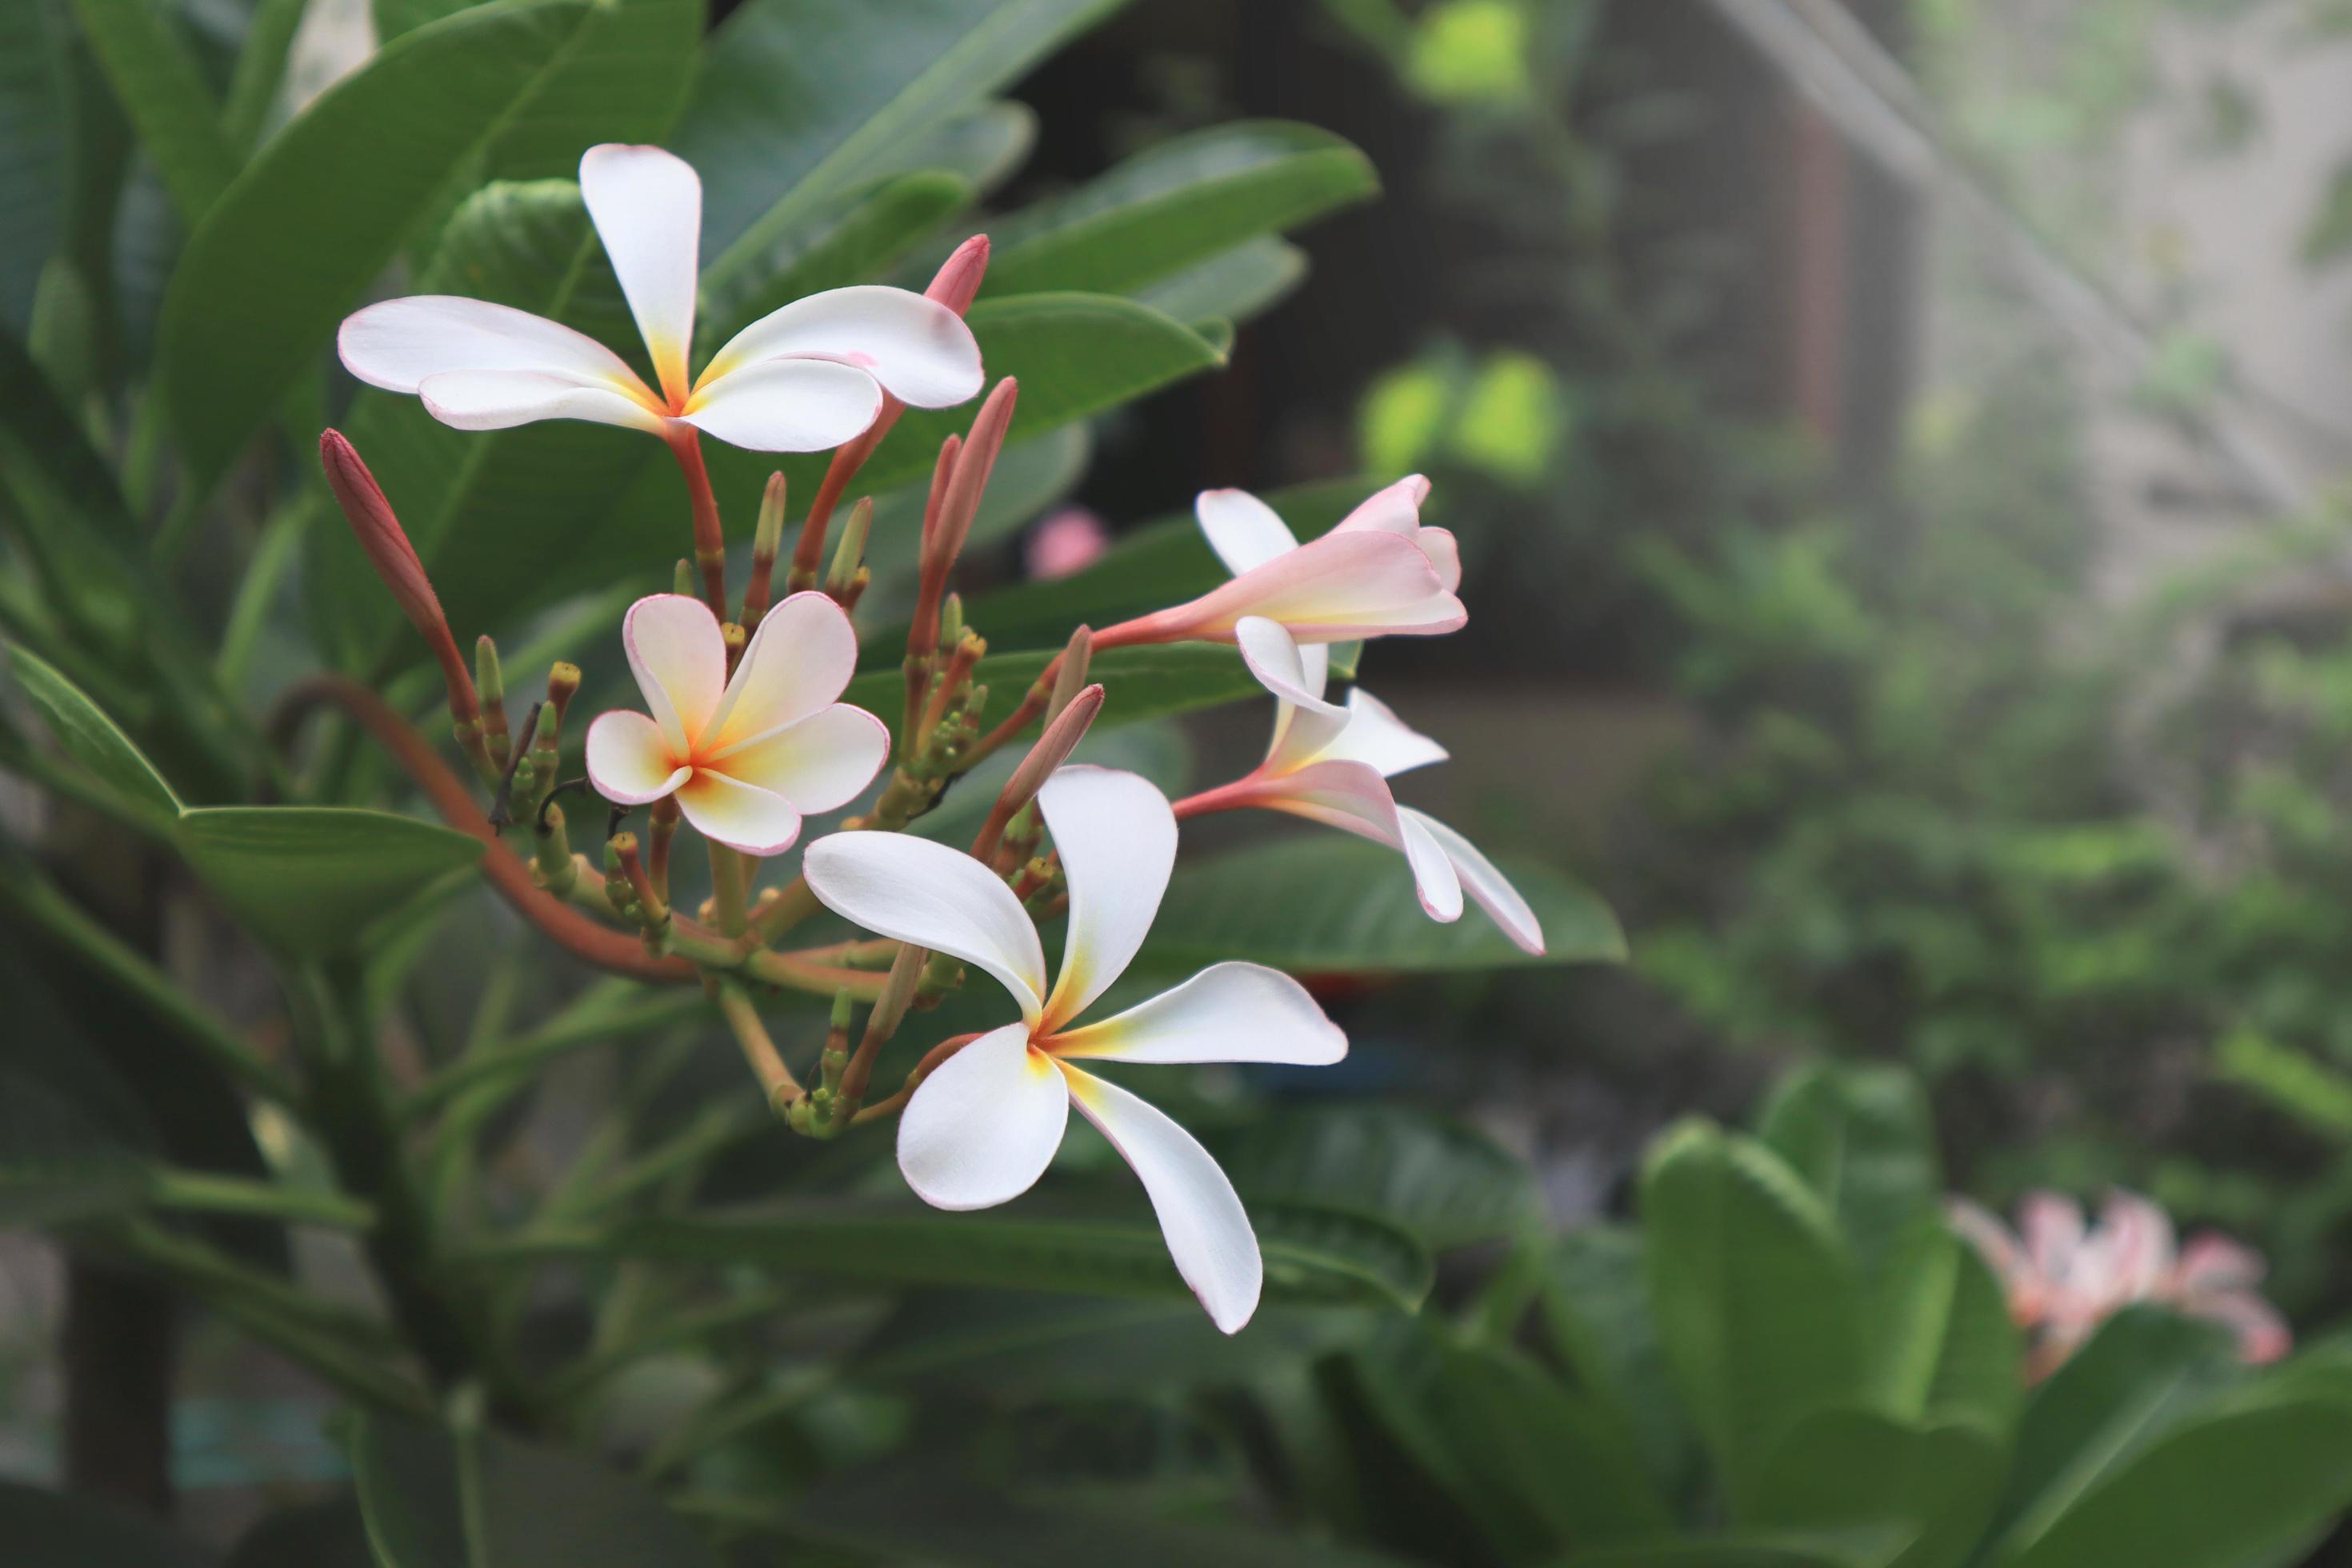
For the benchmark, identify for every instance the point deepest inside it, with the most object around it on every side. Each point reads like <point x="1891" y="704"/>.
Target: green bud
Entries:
<point x="768" y="537"/>
<point x="952" y="621"/>
<point x="851" y="552"/>
<point x="682" y="580"/>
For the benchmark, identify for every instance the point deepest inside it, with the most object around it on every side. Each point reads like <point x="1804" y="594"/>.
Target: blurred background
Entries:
<point x="1896" y="449"/>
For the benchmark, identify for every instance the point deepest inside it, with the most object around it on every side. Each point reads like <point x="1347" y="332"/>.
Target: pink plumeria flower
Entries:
<point x="1331" y="763"/>
<point x="1379" y="572"/>
<point x="2064" y="1278"/>
<point x="747" y="757"/>
<point x="1067" y="541"/>
<point x="981" y="1129"/>
<point x="807" y="377"/>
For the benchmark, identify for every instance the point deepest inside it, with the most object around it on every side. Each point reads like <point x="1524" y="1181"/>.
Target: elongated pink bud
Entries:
<point x="395" y="559"/>
<point x="1052" y="750"/>
<point x="957" y="283"/>
<point x="974" y="464"/>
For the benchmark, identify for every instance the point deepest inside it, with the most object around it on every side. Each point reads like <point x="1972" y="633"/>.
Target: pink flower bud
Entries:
<point x="395" y="561"/>
<point x="957" y="280"/>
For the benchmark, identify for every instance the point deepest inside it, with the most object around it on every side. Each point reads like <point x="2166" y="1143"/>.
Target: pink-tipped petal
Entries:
<point x="1227" y="1013"/>
<point x="502" y="399"/>
<point x="1207" y="1230"/>
<point x="1444" y="554"/>
<point x="786" y="406"/>
<point x="796" y="664"/>
<point x="916" y="348"/>
<point x="2051" y="1224"/>
<point x="398" y="344"/>
<point x="2262" y="1330"/>
<point x="629" y="760"/>
<point x="2210" y="1262"/>
<point x="1304" y="724"/>
<point x="1483" y="882"/>
<point x="1376" y="737"/>
<point x="679" y="657"/>
<point x="1391" y="509"/>
<point x="1117" y="837"/>
<point x="983" y="1127"/>
<point x="2136" y="1237"/>
<point x="934" y="897"/>
<point x="1244" y="530"/>
<point x="819" y="762"/>
<point x="739" y="815"/>
<point x="647" y="205"/>
<point x="1332" y="589"/>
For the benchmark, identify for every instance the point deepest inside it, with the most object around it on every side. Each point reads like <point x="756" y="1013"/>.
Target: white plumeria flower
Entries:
<point x="981" y="1129"/>
<point x="747" y="757"/>
<point x="1379" y="572"/>
<point x="1331" y="763"/>
<point x="807" y="377"/>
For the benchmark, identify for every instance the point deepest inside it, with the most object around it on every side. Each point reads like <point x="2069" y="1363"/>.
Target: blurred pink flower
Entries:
<point x="1068" y="541"/>
<point x="2064" y="1278"/>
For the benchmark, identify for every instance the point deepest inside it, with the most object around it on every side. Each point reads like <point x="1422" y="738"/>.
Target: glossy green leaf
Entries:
<point x="1310" y="1255"/>
<point x="1918" y="1496"/>
<point x="1185" y="200"/>
<point x="313" y="878"/>
<point x="1861" y="1137"/>
<point x="432" y="1499"/>
<point x="1757" y="1305"/>
<point x="1316" y="901"/>
<point x="1725" y="1551"/>
<point x="799" y="98"/>
<point x="35" y="139"/>
<point x="1943" y="1346"/>
<point x="1247" y="280"/>
<point x="156" y="80"/>
<point x="1442" y="1179"/>
<point x="982" y="147"/>
<point x="48" y="1530"/>
<point x="89" y="737"/>
<point x="276" y="262"/>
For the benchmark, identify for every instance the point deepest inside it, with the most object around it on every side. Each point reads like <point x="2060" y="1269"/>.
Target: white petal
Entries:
<point x="1207" y="1230"/>
<point x="786" y="406"/>
<point x="1354" y="797"/>
<point x="1117" y="837"/>
<point x="1242" y="529"/>
<point x="1493" y="893"/>
<point x="1376" y="737"/>
<point x="739" y="815"/>
<point x="398" y="344"/>
<point x="1392" y="509"/>
<point x="983" y="1127"/>
<point x="918" y="348"/>
<point x="2051" y="1226"/>
<point x="1304" y="724"/>
<point x="1227" y="1013"/>
<point x="647" y="205"/>
<point x="502" y="399"/>
<point x="818" y="763"/>
<point x="679" y="659"/>
<point x="1436" y="881"/>
<point x="629" y="761"/>
<point x="934" y="897"/>
<point x="798" y="662"/>
<point x="1333" y="589"/>
<point x="1443" y="555"/>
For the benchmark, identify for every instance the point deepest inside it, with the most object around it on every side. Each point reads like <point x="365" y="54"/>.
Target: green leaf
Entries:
<point x="48" y="1530"/>
<point x="2138" y="1377"/>
<point x="260" y="71"/>
<point x="1594" y="1307"/>
<point x="1721" y="1551"/>
<point x="1861" y="1137"/>
<point x="1314" y="901"/>
<point x="91" y="738"/>
<point x="1537" y="1466"/>
<point x="279" y="260"/>
<point x="1250" y="278"/>
<point x="58" y="1163"/>
<point x="480" y="1499"/>
<point x="311" y="880"/>
<point x="2218" y="1491"/>
<point x="1185" y="201"/>
<point x="862" y="240"/>
<point x="1139" y="683"/>
<point x="1310" y="1255"/>
<point x="799" y="98"/>
<point x="1757" y="1305"/>
<point x="1442" y="1179"/>
<point x="1919" y="1495"/>
<point x="35" y="141"/>
<point x="1943" y="1346"/>
<point x="157" y="82"/>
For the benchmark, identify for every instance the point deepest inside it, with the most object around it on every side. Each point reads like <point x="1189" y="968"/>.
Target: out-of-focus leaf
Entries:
<point x="313" y="878"/>
<point x="1323" y="901"/>
<point x="2328" y="235"/>
<point x="799" y="97"/>
<point x="1139" y="683"/>
<point x="48" y="1530"/>
<point x="1446" y="1182"/>
<point x="276" y="262"/>
<point x="1758" y="1308"/>
<point x="2141" y="1376"/>
<point x="1183" y="202"/>
<point x="89" y="737"/>
<point x="1943" y="1347"/>
<point x="1253" y="277"/>
<point x="483" y="1501"/>
<point x="159" y="85"/>
<point x="982" y="148"/>
<point x="860" y="240"/>
<point x="1594" y="1307"/>
<point x="1716" y="1552"/>
<point x="35" y="139"/>
<point x="56" y="1163"/>
<point x="40" y="434"/>
<point x="1860" y="1137"/>
<point x="1920" y="1496"/>
<point x="1310" y="1255"/>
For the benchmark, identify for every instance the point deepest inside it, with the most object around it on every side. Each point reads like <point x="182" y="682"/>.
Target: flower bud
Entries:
<point x="850" y="554"/>
<point x="395" y="559"/>
<point x="957" y="283"/>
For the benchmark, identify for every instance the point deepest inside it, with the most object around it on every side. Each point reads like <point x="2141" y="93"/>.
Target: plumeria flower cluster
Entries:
<point x="2064" y="1278"/>
<point x="744" y="735"/>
